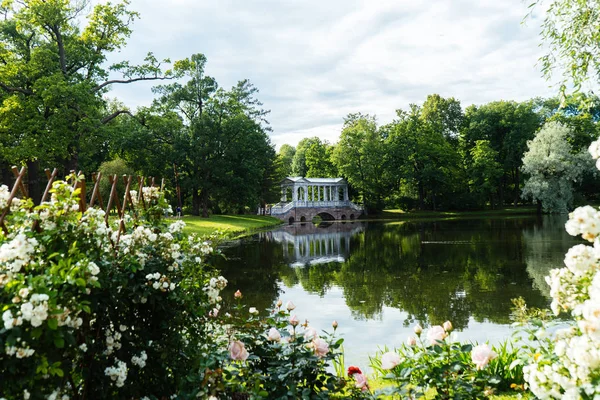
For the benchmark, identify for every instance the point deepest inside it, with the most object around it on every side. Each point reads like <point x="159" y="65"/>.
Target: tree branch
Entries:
<point x="143" y="78"/>
<point x="114" y="115"/>
<point x="11" y="89"/>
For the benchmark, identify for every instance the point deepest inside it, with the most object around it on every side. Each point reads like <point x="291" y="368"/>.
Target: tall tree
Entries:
<point x="484" y="172"/>
<point x="286" y="156"/>
<point x="444" y="116"/>
<point x="421" y="157"/>
<point x="507" y="125"/>
<point x="360" y="157"/>
<point x="552" y="168"/>
<point x="318" y="160"/>
<point x="299" y="167"/>
<point x="222" y="149"/>
<point x="53" y="78"/>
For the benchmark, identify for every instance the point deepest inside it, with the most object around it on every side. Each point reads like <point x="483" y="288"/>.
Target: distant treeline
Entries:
<point x="438" y="156"/>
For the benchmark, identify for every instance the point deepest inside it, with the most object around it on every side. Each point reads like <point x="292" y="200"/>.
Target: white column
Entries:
<point x="294" y="193"/>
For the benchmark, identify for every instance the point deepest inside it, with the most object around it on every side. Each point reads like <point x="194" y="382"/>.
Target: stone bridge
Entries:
<point x="311" y="197"/>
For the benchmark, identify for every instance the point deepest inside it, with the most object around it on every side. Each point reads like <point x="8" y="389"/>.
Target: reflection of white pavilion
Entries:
<point x="311" y="245"/>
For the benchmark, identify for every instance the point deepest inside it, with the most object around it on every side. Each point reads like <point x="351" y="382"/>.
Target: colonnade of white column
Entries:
<point x="321" y="193"/>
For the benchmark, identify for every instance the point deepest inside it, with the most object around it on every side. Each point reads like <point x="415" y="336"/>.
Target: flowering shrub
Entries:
<point x="90" y="311"/>
<point x="278" y="357"/>
<point x="567" y="366"/>
<point x="435" y="364"/>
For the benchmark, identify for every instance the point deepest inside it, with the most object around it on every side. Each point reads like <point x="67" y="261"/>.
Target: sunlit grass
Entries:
<point x="229" y="225"/>
<point x="410" y="215"/>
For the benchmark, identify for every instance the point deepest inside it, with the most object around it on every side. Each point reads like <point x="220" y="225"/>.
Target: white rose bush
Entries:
<point x="92" y="311"/>
<point x="567" y="364"/>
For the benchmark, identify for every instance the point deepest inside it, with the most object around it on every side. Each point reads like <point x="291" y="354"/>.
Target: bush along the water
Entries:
<point x="566" y="363"/>
<point x="280" y="357"/>
<point x="434" y="364"/>
<point x="91" y="311"/>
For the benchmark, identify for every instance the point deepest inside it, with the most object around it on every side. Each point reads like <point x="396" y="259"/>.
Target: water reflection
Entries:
<point x="366" y="273"/>
<point x="308" y="244"/>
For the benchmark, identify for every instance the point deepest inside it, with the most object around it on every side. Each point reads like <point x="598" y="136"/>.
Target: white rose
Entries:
<point x="389" y="360"/>
<point x="274" y="335"/>
<point x="482" y="355"/>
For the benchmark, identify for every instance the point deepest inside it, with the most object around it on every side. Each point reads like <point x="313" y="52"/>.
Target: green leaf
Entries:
<point x="53" y="323"/>
<point x="80" y="282"/>
<point x="466" y="348"/>
<point x="59" y="342"/>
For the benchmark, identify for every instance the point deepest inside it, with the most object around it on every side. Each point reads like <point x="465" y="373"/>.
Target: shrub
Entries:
<point x="89" y="311"/>
<point x="440" y="366"/>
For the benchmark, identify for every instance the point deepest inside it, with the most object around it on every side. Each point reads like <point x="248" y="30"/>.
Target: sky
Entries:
<point x="315" y="62"/>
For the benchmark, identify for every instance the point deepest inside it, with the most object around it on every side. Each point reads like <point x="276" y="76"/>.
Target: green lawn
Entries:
<point x="230" y="225"/>
<point x="412" y="215"/>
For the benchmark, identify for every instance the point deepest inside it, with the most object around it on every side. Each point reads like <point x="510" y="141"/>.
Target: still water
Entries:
<point x="378" y="279"/>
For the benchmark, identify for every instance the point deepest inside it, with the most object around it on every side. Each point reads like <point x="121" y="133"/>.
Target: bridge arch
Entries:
<point x="325" y="216"/>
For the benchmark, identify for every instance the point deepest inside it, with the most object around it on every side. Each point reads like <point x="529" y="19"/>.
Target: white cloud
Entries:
<point x="316" y="61"/>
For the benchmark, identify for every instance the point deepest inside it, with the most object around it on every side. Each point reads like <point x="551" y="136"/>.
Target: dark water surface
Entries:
<point x="378" y="279"/>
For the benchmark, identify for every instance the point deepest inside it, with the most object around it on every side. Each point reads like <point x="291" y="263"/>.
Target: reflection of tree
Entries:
<point x="438" y="271"/>
<point x="253" y="268"/>
<point x="433" y="271"/>
<point x="546" y="243"/>
<point x="317" y="279"/>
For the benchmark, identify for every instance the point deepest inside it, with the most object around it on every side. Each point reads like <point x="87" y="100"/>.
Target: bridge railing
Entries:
<point x="282" y="208"/>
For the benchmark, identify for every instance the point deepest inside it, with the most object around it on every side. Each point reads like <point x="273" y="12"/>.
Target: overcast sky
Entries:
<point x="316" y="61"/>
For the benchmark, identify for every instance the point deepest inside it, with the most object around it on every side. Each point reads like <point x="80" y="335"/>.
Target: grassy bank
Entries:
<point x="230" y="225"/>
<point x="414" y="215"/>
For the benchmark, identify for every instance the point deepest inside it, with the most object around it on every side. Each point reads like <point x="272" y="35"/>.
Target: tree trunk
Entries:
<point x="204" y="202"/>
<point x="195" y="202"/>
<point x="6" y="178"/>
<point x="34" y="184"/>
<point x="516" y="187"/>
<point x="501" y="191"/>
<point x="421" y="196"/>
<point x="539" y="207"/>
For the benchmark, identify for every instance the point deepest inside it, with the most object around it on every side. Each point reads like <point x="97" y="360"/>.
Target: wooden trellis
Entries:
<point x="113" y="202"/>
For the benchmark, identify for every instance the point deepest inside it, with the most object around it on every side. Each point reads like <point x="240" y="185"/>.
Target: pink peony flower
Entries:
<point x="411" y="341"/>
<point x="482" y="355"/>
<point x="320" y="347"/>
<point x="237" y="294"/>
<point x="361" y="382"/>
<point x="389" y="360"/>
<point x="436" y="334"/>
<point x="237" y="351"/>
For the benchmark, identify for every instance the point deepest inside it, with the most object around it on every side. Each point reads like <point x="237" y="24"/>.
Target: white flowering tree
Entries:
<point x="552" y="168"/>
<point x="91" y="311"/>
<point x="568" y="366"/>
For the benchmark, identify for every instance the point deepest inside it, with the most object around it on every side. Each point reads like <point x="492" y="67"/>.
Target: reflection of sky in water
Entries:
<point x="363" y="337"/>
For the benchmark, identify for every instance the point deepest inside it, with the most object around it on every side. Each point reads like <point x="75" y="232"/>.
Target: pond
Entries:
<point x="378" y="279"/>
